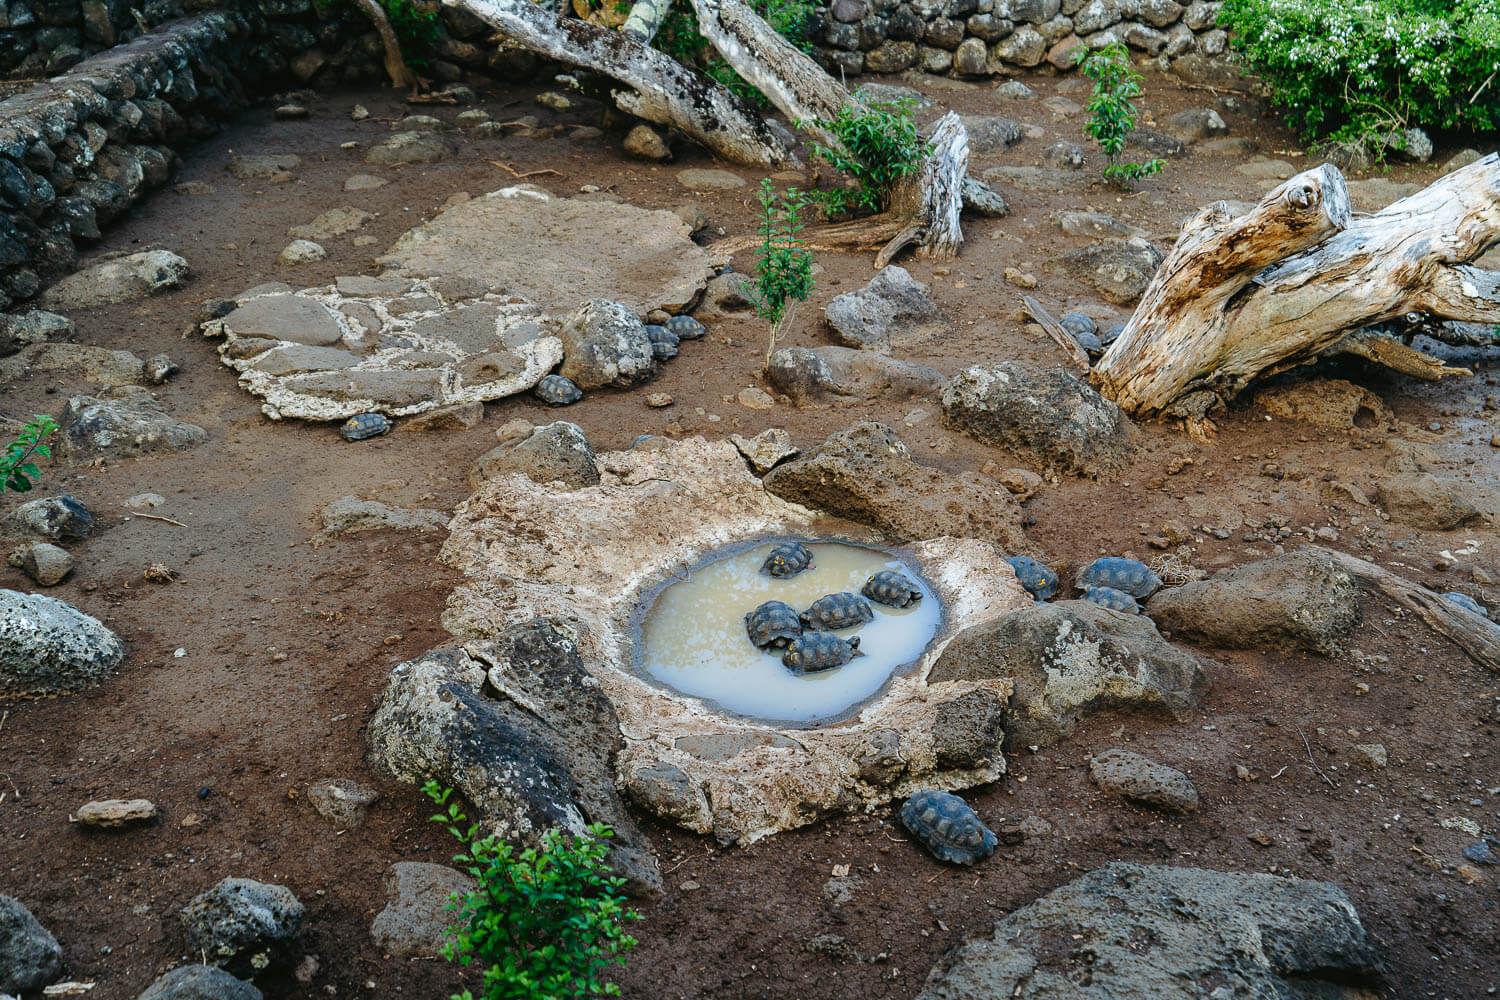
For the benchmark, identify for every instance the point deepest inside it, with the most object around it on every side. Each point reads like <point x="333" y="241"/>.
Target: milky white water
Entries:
<point x="693" y="639"/>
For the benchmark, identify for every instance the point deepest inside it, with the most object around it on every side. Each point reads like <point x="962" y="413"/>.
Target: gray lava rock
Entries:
<point x="1044" y="414"/>
<point x="1142" y="780"/>
<point x="767" y="449"/>
<point x="342" y="802"/>
<point x="832" y="376"/>
<point x="1422" y="500"/>
<point x="1119" y="269"/>
<point x="557" y="452"/>
<point x="1076" y="223"/>
<point x="349" y="514"/>
<point x="894" y="309"/>
<point x="605" y="344"/>
<point x="990" y="133"/>
<point x="49" y="519"/>
<point x="120" y="280"/>
<point x="1138" y="931"/>
<point x="521" y="730"/>
<point x="1059" y="155"/>
<point x="1196" y="123"/>
<point x="866" y="474"/>
<point x="410" y="147"/>
<point x="43" y="562"/>
<point x="30" y="957"/>
<point x="416" y="917"/>
<point x="49" y="647"/>
<point x="242" y="925"/>
<point x="200" y="982"/>
<point x="982" y="200"/>
<point x="1071" y="659"/>
<point x="34" y="327"/>
<point x="645" y="143"/>
<point x="1301" y="600"/>
<point x="130" y="423"/>
<point x="1412" y="145"/>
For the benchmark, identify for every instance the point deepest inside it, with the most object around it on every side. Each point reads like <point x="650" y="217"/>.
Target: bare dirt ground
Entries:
<point x="285" y="644"/>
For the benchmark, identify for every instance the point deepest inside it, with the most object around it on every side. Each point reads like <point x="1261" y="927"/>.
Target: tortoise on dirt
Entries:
<point x="365" y="425"/>
<point x="811" y="652"/>
<point x="663" y="342"/>
<point x="773" y="625"/>
<point x="946" y="825"/>
<point x="787" y="559"/>
<point x="1115" y="600"/>
<point x="1127" y="575"/>
<point x="893" y="589"/>
<point x="1039" y="581"/>
<point x="554" y="390"/>
<point x="1467" y="603"/>
<point x="832" y="612"/>
<point x="686" y="327"/>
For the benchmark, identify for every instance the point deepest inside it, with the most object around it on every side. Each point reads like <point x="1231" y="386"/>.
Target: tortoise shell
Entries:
<point x="815" y="651"/>
<point x="554" y="390"/>
<point x="1115" y="600"/>
<point x="365" y="425"/>
<point x="773" y="625"/>
<point x="835" y="611"/>
<point x="1126" y="575"/>
<point x="948" y="827"/>
<point x="787" y="559"/>
<point x="1079" y="325"/>
<point x="686" y="327"/>
<point x="663" y="342"/>
<point x="1039" y="581"/>
<point x="1467" y="603"/>
<point x="892" y="589"/>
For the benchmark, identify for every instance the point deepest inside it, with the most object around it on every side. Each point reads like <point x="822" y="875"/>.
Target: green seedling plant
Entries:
<point x="18" y="473"/>
<point x="1116" y="85"/>
<point x="878" y="146"/>
<point x="545" y="922"/>
<point x="783" y="271"/>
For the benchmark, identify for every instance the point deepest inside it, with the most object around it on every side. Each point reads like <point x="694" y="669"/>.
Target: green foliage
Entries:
<point x="880" y="146"/>
<point x="1116" y="85"/>
<point x="783" y="271"/>
<point x="680" y="38"/>
<point x="417" y="30"/>
<point x="18" y="473"/>
<point x="1359" y="69"/>
<point x="545" y="922"/>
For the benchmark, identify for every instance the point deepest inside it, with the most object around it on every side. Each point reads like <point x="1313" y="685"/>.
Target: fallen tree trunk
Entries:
<point x="395" y="66"/>
<point x="656" y="87"/>
<point x="1238" y="299"/>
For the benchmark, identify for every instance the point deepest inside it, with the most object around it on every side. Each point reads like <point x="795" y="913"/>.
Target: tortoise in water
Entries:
<point x="892" y="589"/>
<point x="787" y="559"/>
<point x="1115" y="600"/>
<point x="554" y="390"/>
<point x="815" y="651"/>
<point x="773" y="625"/>
<point x="1039" y="581"/>
<point x="835" y="611"/>
<point x="663" y="342"/>
<point x="1126" y="575"/>
<point x="946" y="825"/>
<point x="365" y="425"/>
<point x="1467" y="603"/>
<point x="686" y="327"/>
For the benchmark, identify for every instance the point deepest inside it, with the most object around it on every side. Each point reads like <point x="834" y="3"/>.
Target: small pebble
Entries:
<point x="288" y="111"/>
<point x="657" y="400"/>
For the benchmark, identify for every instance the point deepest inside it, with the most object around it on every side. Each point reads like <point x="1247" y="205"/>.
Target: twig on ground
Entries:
<point x="158" y="517"/>
<point x="1308" y="747"/>
<point x="530" y="173"/>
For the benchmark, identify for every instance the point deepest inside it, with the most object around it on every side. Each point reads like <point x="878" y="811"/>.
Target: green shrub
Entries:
<point x="1358" y="69"/>
<point x="18" y="473"/>
<point x="783" y="270"/>
<point x="545" y="922"/>
<point x="1116" y="85"/>
<point x="680" y="38"/>
<point x="880" y="146"/>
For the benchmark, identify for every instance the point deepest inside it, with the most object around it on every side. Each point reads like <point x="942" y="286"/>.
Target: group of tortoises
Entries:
<point x="806" y="638"/>
<point x="1112" y="581"/>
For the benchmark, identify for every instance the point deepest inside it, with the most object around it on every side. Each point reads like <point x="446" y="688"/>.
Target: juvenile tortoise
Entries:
<point x="554" y="390"/>
<point x="1467" y="603"/>
<point x="663" y="342"/>
<point x="365" y="425"/>
<point x="773" y="625"/>
<point x="946" y="825"/>
<point x="832" y="612"/>
<point x="1039" y="581"/>
<point x="893" y="589"/>
<point x="811" y="652"/>
<point x="787" y="559"/>
<point x="686" y="327"/>
<point x="1115" y="600"/>
<point x="1127" y="575"/>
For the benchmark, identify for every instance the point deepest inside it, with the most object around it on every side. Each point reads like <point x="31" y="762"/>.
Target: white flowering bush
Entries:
<point x="1359" y="69"/>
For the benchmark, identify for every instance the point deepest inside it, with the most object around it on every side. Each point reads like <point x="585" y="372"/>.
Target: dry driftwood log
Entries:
<point x="1241" y="298"/>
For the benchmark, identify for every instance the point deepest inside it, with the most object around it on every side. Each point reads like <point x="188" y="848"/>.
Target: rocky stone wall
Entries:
<point x="991" y="37"/>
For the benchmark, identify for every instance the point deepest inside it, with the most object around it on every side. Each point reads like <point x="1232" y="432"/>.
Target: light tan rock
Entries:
<point x="115" y="813"/>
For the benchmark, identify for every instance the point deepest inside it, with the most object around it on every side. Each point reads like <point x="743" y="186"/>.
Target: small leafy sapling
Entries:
<point x="783" y="270"/>
<point x="1116" y="84"/>
<point x="879" y="145"/>
<point x="18" y="473"/>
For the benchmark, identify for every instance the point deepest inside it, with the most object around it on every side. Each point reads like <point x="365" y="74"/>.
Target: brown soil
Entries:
<point x="285" y="644"/>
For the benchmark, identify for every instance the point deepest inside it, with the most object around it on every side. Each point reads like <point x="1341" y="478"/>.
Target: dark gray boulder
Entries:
<point x="893" y="310"/>
<point x="813" y="377"/>
<point x="129" y="423"/>
<point x="605" y="344"/>
<point x="48" y="519"/>
<point x="1070" y="659"/>
<point x="200" y="982"/>
<point x="1301" y="600"/>
<point x="1147" y="931"/>
<point x="35" y="327"/>
<point x="242" y="925"/>
<point x="416" y="917"/>
<point x="522" y="731"/>
<point x="558" y="452"/>
<point x="30" y="957"/>
<point x="1043" y="414"/>
<point x="1141" y="779"/>
<point x="50" y="647"/>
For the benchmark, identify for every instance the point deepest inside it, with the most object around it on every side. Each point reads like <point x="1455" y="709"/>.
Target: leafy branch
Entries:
<point x="17" y="472"/>
<point x="783" y="271"/>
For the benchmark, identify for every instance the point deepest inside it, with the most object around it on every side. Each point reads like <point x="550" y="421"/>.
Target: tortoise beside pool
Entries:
<point x="946" y="825"/>
<point x="365" y="425"/>
<point x="893" y="589"/>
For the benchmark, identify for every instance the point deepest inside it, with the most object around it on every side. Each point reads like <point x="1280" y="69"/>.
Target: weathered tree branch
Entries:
<point x="645" y="18"/>
<point x="395" y="66"/>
